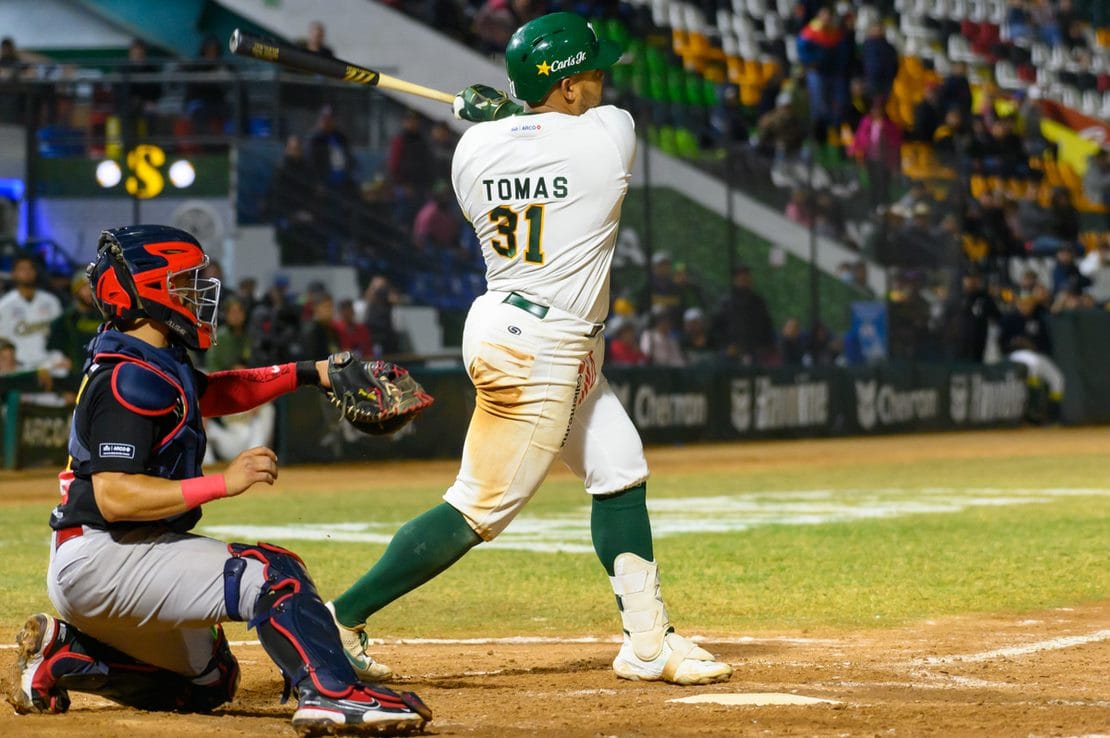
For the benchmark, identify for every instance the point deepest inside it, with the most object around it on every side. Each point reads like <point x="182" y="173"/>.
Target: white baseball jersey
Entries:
<point x="27" y="325"/>
<point x="544" y="194"/>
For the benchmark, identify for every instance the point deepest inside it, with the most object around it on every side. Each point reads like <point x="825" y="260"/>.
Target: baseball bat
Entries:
<point x="286" y="55"/>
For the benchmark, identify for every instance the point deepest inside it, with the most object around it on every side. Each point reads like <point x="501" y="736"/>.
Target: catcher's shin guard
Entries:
<point x="54" y="658"/>
<point x="652" y="651"/>
<point x="294" y="626"/>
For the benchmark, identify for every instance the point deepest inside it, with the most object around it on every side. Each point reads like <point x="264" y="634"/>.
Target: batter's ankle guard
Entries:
<point x="643" y="615"/>
<point x="294" y="626"/>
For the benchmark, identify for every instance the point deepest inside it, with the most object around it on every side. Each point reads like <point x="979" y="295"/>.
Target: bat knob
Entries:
<point x="234" y="41"/>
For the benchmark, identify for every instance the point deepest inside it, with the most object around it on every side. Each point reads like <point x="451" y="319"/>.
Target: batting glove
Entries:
<point x="480" y="103"/>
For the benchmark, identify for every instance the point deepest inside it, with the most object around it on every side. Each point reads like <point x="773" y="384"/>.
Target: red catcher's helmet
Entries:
<point x="153" y="271"/>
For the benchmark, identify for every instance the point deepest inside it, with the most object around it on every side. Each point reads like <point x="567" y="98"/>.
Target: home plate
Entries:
<point x="754" y="698"/>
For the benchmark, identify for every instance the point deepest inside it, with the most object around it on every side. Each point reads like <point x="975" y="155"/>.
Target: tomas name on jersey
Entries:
<point x="525" y="188"/>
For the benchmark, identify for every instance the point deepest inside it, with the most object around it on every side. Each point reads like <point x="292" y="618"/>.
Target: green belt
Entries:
<point x="540" y="311"/>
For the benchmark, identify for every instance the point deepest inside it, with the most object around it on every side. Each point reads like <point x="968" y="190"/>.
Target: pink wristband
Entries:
<point x="199" y="490"/>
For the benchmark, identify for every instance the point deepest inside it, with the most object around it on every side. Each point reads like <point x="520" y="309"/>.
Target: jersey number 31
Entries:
<point x="507" y="220"/>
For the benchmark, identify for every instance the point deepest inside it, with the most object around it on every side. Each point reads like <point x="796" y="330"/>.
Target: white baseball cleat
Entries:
<point x="680" y="661"/>
<point x="355" y="642"/>
<point x="652" y="651"/>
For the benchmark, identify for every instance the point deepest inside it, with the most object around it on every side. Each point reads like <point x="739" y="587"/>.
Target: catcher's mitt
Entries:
<point x="376" y="397"/>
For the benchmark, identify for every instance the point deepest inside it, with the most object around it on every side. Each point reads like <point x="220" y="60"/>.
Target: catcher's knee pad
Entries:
<point x="294" y="626"/>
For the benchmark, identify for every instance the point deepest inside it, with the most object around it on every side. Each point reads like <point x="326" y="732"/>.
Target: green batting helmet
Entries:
<point x="553" y="47"/>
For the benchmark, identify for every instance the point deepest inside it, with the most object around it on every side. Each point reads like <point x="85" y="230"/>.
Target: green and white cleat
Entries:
<point x="355" y="642"/>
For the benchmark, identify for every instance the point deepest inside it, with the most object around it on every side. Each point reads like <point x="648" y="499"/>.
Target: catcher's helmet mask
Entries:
<point x="153" y="272"/>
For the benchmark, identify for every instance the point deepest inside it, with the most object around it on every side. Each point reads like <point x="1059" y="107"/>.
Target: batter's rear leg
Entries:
<point x="54" y="657"/>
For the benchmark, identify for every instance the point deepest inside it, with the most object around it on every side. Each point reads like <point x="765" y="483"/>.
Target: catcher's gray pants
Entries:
<point x="150" y="593"/>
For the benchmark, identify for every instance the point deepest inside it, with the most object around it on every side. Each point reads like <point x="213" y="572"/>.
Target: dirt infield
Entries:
<point x="1037" y="674"/>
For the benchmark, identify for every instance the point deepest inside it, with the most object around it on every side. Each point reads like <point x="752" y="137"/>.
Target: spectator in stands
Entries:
<point x="1066" y="275"/>
<point x="1095" y="266"/>
<point x="441" y="144"/>
<point x="274" y="326"/>
<point x="800" y="208"/>
<point x="71" y="332"/>
<point x="435" y="230"/>
<point x="316" y="42"/>
<point x="206" y="102"/>
<point x="1005" y="153"/>
<point x="379" y="298"/>
<point x="955" y="90"/>
<point x="1063" y="224"/>
<point x="743" y="322"/>
<point x="975" y="313"/>
<point x="1029" y="123"/>
<point x="410" y="166"/>
<point x="8" y="362"/>
<point x="697" y="344"/>
<point x="880" y="62"/>
<point x="245" y="294"/>
<point x="1096" y="181"/>
<point x="1072" y="298"/>
<point x="292" y="201"/>
<point x="232" y="347"/>
<point x="658" y="342"/>
<point x="318" y="335"/>
<point x="230" y="435"/>
<point x="783" y="130"/>
<point x="26" y="314"/>
<point x="791" y="344"/>
<point x="496" y="20"/>
<point x="953" y="141"/>
<point x="329" y="154"/>
<point x="663" y="292"/>
<point x="878" y="144"/>
<point x="727" y="120"/>
<point x="829" y="218"/>
<point x="927" y="115"/>
<point x="11" y="68"/>
<point x="623" y="348"/>
<point x="353" y="335"/>
<point x="1024" y="337"/>
<point x="690" y="290"/>
<point x="908" y="317"/>
<point x="142" y="97"/>
<point x="823" y="49"/>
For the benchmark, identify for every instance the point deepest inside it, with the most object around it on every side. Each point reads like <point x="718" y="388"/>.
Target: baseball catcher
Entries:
<point x="376" y="397"/>
<point x="140" y="597"/>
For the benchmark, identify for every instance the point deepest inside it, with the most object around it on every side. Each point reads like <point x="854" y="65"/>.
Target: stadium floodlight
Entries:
<point x="182" y="174"/>
<point x="108" y="174"/>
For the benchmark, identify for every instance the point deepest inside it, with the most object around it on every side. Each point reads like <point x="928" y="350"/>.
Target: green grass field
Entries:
<point x="794" y="546"/>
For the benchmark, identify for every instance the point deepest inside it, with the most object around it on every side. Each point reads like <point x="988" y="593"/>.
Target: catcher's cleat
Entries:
<point x="364" y="711"/>
<point x="355" y="642"/>
<point x="679" y="662"/>
<point x="43" y="650"/>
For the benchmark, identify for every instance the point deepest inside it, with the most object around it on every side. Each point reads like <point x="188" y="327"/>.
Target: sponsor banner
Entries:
<point x="42" y="434"/>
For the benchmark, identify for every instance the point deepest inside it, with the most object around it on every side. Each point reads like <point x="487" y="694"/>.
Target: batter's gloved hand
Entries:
<point x="376" y="397"/>
<point x="480" y="103"/>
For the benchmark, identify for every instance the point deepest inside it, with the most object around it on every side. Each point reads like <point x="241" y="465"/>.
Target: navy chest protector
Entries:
<point x="158" y="383"/>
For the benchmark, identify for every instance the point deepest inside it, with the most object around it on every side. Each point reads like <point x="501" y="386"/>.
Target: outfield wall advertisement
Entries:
<point x="667" y="406"/>
<point x="690" y="405"/>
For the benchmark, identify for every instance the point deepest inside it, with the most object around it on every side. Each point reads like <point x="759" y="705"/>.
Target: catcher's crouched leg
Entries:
<point x="652" y="651"/>
<point x="55" y="658"/>
<point x="298" y="633"/>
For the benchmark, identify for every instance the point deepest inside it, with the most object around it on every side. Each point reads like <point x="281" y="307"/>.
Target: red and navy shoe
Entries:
<point x="365" y="710"/>
<point x="44" y="648"/>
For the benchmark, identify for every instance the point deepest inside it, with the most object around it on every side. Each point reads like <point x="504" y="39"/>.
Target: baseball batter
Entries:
<point x="543" y="190"/>
<point x="142" y="598"/>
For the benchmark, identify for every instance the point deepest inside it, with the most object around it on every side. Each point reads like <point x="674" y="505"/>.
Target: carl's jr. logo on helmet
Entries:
<point x="570" y="61"/>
